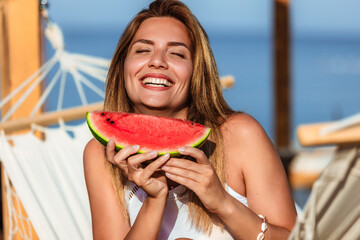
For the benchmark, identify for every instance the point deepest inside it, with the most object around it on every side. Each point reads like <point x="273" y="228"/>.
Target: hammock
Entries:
<point x="48" y="173"/>
<point x="49" y="181"/>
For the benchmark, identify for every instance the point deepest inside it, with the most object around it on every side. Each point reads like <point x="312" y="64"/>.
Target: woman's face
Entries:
<point x="158" y="68"/>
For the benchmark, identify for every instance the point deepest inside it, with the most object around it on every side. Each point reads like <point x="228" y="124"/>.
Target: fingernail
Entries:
<point x="136" y="147"/>
<point x="182" y="149"/>
<point x="153" y="153"/>
<point x="111" y="141"/>
<point x="166" y="156"/>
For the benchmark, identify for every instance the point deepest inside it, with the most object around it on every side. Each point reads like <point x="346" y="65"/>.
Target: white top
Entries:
<point x="175" y="222"/>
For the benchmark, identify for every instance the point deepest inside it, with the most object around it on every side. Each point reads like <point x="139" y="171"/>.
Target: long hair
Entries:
<point x="207" y="104"/>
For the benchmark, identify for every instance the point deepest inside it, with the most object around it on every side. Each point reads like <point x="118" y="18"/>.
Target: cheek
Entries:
<point x="133" y="65"/>
<point x="130" y="70"/>
<point x="189" y="73"/>
<point x="185" y="71"/>
<point x="126" y="70"/>
<point x="127" y="67"/>
<point x="128" y="77"/>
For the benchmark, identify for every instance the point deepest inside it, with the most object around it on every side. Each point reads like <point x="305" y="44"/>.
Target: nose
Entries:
<point x="158" y="60"/>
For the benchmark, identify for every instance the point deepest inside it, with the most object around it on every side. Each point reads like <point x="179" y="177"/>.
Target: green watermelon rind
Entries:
<point x="103" y="140"/>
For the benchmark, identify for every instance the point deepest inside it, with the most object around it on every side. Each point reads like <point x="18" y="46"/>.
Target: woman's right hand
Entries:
<point x="149" y="178"/>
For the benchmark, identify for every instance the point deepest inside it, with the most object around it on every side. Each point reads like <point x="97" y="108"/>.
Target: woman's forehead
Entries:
<point x="165" y="29"/>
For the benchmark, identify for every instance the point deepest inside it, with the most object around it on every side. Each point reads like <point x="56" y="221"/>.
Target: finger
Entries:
<point x="125" y="153"/>
<point x="187" y="182"/>
<point x="135" y="161"/>
<point x="155" y="165"/>
<point x="184" y="164"/>
<point x="196" y="153"/>
<point x="110" y="151"/>
<point x="194" y="176"/>
<point x="120" y="158"/>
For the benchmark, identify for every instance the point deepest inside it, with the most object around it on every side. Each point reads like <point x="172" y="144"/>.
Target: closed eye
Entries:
<point x="178" y="54"/>
<point x="142" y="51"/>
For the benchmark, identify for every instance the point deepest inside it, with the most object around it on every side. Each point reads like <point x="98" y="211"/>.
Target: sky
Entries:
<point x="307" y="16"/>
<point x="229" y="14"/>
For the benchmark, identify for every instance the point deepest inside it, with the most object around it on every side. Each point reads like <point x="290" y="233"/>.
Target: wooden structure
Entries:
<point x="20" y="50"/>
<point x="50" y="118"/>
<point x="309" y="135"/>
<point x="282" y="83"/>
<point x="342" y="132"/>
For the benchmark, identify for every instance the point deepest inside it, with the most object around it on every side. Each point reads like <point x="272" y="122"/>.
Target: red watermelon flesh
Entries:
<point x="162" y="134"/>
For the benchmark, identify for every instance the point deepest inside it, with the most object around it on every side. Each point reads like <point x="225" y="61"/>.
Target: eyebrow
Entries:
<point x="171" y="44"/>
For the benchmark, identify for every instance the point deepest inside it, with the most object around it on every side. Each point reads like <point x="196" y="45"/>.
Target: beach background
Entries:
<point x="325" y="51"/>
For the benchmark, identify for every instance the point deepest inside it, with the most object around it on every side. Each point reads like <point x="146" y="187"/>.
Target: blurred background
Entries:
<point x="321" y="62"/>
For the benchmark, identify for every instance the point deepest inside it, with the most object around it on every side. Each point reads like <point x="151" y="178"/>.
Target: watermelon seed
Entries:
<point x="108" y="119"/>
<point x="112" y="122"/>
<point x="102" y="114"/>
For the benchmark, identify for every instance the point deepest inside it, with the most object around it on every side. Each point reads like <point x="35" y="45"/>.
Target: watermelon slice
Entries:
<point x="161" y="134"/>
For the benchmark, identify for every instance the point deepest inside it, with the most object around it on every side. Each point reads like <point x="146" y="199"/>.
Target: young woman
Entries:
<point x="163" y="66"/>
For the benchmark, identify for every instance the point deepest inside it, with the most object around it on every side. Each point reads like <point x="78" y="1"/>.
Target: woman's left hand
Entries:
<point x="198" y="176"/>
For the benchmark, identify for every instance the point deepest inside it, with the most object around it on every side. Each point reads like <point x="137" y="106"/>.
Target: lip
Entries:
<point x="156" y="75"/>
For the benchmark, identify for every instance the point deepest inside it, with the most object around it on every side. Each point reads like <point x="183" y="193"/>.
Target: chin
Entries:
<point x="157" y="108"/>
<point x="155" y="104"/>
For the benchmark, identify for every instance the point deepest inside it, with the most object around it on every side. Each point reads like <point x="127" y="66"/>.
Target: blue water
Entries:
<point x="325" y="74"/>
<point x="326" y="79"/>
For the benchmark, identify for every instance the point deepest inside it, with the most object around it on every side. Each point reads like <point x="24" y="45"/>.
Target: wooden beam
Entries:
<point x="282" y="83"/>
<point x="49" y="118"/>
<point x="309" y="135"/>
<point x="20" y="56"/>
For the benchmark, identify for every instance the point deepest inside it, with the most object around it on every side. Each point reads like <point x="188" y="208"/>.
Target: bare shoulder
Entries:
<point x="93" y="147"/>
<point x="243" y="137"/>
<point x="94" y="155"/>
<point x="251" y="154"/>
<point x="248" y="146"/>
<point x="106" y="214"/>
<point x="96" y="167"/>
<point x="243" y="126"/>
<point x="94" y="161"/>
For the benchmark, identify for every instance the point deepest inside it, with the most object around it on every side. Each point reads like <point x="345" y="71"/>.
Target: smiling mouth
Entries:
<point x="156" y="82"/>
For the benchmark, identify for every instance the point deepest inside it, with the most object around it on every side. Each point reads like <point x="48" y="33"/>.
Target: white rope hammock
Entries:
<point x="49" y="181"/>
<point x="75" y="65"/>
<point x="48" y="174"/>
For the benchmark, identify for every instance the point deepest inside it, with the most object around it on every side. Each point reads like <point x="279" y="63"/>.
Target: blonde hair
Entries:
<point x="207" y="104"/>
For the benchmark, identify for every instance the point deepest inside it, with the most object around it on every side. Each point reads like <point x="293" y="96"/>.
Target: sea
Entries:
<point x="324" y="74"/>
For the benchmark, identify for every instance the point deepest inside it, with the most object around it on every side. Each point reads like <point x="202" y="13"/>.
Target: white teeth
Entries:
<point x="156" y="82"/>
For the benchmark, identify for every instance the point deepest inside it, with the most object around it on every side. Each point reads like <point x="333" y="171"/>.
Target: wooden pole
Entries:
<point x="282" y="83"/>
<point x="20" y="56"/>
